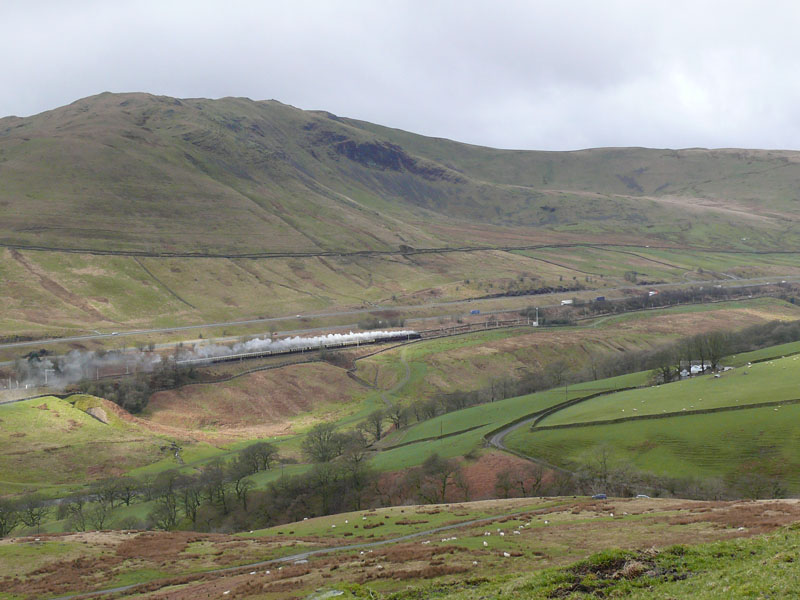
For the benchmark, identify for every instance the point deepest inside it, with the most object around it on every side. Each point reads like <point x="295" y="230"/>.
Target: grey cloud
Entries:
<point x="538" y="75"/>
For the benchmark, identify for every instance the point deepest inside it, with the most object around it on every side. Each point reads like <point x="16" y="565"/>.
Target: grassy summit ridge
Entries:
<point x="159" y="174"/>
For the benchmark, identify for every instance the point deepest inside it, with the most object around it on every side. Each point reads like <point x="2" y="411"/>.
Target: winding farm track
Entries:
<point x="399" y="385"/>
<point x="496" y="438"/>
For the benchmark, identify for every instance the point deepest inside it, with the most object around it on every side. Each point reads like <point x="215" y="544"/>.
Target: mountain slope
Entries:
<point x="158" y="174"/>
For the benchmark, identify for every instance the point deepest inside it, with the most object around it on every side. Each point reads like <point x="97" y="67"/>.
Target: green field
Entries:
<point x="419" y="370"/>
<point x="773" y="352"/>
<point x="724" y="445"/>
<point x="483" y="418"/>
<point x="770" y="381"/>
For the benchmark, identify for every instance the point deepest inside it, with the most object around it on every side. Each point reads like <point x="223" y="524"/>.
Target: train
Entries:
<point x="388" y="336"/>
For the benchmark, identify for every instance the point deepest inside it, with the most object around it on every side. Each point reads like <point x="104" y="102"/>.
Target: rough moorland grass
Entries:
<point x="16" y="558"/>
<point x="397" y="520"/>
<point x="442" y="366"/>
<point x="769" y="308"/>
<point x="643" y="549"/>
<point x="743" y="264"/>
<point x="139" y="292"/>
<point x="760" y="567"/>
<point x="607" y="263"/>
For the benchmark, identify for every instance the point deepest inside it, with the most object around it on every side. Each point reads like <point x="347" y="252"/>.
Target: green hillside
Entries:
<point x="158" y="174"/>
<point x="52" y="445"/>
<point x="666" y="431"/>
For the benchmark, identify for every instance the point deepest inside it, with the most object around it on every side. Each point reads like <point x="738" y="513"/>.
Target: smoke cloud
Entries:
<point x="77" y="365"/>
<point x="266" y="344"/>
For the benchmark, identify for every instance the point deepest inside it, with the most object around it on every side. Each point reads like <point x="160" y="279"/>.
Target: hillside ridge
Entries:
<point x="159" y="174"/>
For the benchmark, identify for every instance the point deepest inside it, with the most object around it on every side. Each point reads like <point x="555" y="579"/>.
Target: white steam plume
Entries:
<point x="79" y="365"/>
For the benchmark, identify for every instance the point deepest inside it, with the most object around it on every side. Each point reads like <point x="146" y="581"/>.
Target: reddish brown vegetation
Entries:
<point x="752" y="516"/>
<point x="266" y="398"/>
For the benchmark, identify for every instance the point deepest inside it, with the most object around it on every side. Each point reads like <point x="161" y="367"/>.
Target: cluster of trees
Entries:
<point x="220" y="495"/>
<point x="707" y="350"/>
<point x="600" y="471"/>
<point x="205" y="500"/>
<point x="133" y="393"/>
<point x="30" y="511"/>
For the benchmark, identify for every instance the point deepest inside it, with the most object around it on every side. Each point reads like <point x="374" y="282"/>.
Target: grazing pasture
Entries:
<point x="769" y="381"/>
<point x="524" y="547"/>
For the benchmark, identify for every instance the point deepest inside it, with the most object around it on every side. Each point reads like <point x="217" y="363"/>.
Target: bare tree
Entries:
<point x="97" y="515"/>
<point x="73" y="509"/>
<point x="190" y="496"/>
<point x="398" y="415"/>
<point x="165" y="492"/>
<point x="434" y="477"/>
<point x="259" y="456"/>
<point x="216" y="485"/>
<point x="529" y="479"/>
<point x="323" y="477"/>
<point x="323" y="443"/>
<point x="32" y="510"/>
<point x="558" y="371"/>
<point x="665" y="371"/>
<point x="238" y="474"/>
<point x="9" y="517"/>
<point x="127" y="489"/>
<point x="105" y="491"/>
<point x="718" y="345"/>
<point x="165" y="514"/>
<point x="503" y="484"/>
<point x="460" y="482"/>
<point x="374" y="424"/>
<point x="356" y="470"/>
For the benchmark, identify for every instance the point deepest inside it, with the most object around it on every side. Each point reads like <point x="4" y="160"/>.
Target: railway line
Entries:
<point x="334" y="345"/>
<point x="399" y="336"/>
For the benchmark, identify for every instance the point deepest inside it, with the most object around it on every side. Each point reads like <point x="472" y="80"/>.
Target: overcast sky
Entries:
<point x="552" y="75"/>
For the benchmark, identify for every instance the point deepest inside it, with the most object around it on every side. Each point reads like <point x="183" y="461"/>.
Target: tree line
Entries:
<point x="600" y="471"/>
